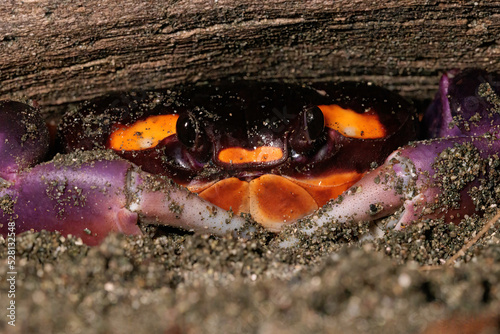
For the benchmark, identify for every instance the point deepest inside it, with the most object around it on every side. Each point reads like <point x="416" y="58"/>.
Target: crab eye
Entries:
<point x="188" y="130"/>
<point x="309" y="129"/>
<point x="142" y="134"/>
<point x="314" y="123"/>
<point x="352" y="124"/>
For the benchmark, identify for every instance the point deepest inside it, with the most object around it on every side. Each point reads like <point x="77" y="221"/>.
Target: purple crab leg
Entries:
<point x="467" y="104"/>
<point x="97" y="197"/>
<point x="24" y="139"/>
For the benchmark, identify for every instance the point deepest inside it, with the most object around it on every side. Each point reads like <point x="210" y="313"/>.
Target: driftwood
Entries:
<point x="58" y="51"/>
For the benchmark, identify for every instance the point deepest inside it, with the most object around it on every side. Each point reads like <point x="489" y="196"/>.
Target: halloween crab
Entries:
<point x="277" y="152"/>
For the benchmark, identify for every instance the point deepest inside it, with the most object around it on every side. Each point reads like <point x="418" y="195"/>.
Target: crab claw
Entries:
<point x="417" y="179"/>
<point x="415" y="182"/>
<point x="438" y="178"/>
<point x="102" y="195"/>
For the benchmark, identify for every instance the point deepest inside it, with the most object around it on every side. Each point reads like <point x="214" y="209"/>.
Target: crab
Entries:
<point x="217" y="158"/>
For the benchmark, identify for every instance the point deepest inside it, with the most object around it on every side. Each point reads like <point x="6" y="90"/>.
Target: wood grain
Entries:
<point x="58" y="51"/>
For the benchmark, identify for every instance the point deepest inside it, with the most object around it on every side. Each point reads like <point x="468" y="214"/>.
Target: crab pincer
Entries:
<point x="88" y="194"/>
<point x="437" y="178"/>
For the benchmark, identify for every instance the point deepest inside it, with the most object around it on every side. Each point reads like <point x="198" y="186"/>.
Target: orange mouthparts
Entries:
<point x="273" y="200"/>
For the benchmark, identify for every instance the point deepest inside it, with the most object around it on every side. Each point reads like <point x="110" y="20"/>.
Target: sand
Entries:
<point x="332" y="283"/>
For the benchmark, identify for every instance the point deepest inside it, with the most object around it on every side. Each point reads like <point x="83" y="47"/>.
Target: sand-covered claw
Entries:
<point x="444" y="177"/>
<point x="433" y="179"/>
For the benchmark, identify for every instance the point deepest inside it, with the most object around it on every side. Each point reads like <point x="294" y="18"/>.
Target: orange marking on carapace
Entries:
<point x="228" y="194"/>
<point x="352" y="124"/>
<point x="323" y="189"/>
<point x="275" y="201"/>
<point x="142" y="134"/>
<point x="237" y="155"/>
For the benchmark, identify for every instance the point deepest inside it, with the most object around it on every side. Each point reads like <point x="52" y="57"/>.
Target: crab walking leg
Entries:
<point x="410" y="178"/>
<point x="102" y="196"/>
<point x="24" y="138"/>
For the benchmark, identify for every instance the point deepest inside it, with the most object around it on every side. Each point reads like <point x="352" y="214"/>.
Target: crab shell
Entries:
<point x="276" y="151"/>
